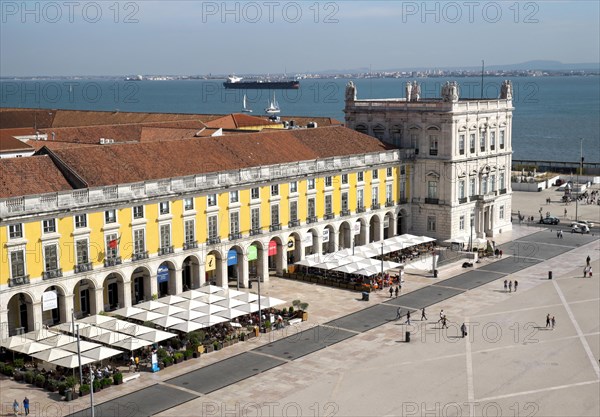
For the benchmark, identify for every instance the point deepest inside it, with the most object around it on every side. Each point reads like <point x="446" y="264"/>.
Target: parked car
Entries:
<point x="580" y="228"/>
<point x="550" y="220"/>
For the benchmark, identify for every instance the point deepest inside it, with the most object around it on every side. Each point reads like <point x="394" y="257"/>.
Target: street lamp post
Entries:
<point x="471" y="239"/>
<point x="580" y="169"/>
<point x="91" y="389"/>
<point x="79" y="357"/>
<point x="259" y="309"/>
<point x="382" y="264"/>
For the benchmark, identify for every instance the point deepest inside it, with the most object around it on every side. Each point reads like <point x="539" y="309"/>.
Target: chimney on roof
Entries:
<point x="53" y="136"/>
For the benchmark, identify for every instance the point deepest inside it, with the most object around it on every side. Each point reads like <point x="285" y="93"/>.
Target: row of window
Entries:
<point x="461" y="220"/>
<point x="487" y="184"/>
<point x="483" y="142"/>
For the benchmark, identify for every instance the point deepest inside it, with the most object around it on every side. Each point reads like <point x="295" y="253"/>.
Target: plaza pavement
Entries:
<point x="360" y="365"/>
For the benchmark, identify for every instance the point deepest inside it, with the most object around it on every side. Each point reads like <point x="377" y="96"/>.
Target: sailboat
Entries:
<point x="273" y="106"/>
<point x="245" y="109"/>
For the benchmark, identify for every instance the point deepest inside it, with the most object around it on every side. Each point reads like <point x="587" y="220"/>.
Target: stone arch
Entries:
<point x="190" y="273"/>
<point x="277" y="256"/>
<point x="20" y="313"/>
<point x="113" y="291"/>
<point x="402" y="222"/>
<point x="84" y="298"/>
<point x="256" y="260"/>
<point x="375" y="228"/>
<point x="141" y="285"/>
<point x="293" y="248"/>
<point x="389" y="222"/>
<point x="362" y="128"/>
<point x="236" y="265"/>
<point x="328" y="240"/>
<point x="60" y="313"/>
<point x="379" y="131"/>
<point x="165" y="278"/>
<point x="214" y="267"/>
<point x="345" y="236"/>
<point x="361" y="238"/>
<point x="313" y="247"/>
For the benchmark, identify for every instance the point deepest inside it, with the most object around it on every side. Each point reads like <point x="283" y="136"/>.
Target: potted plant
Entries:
<point x="97" y="385"/>
<point x="188" y="354"/>
<point x="70" y="381"/>
<point x="84" y="389"/>
<point x="118" y="378"/>
<point x="18" y="375"/>
<point x="216" y="345"/>
<point x="303" y="307"/>
<point x="178" y="356"/>
<point x="167" y="360"/>
<point x="19" y="363"/>
<point x="106" y="382"/>
<point x="29" y="377"/>
<point x="52" y="385"/>
<point x="40" y="380"/>
<point x="8" y="370"/>
<point x="267" y="327"/>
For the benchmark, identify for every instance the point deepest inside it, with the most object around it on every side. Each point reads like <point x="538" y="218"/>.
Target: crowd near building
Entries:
<point x="103" y="210"/>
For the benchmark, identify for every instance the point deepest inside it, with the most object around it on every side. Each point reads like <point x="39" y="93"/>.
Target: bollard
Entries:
<point x="549" y="274"/>
<point x="407" y="337"/>
<point x="435" y="273"/>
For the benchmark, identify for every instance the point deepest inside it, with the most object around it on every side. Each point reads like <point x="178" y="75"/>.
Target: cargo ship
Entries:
<point x="237" y="83"/>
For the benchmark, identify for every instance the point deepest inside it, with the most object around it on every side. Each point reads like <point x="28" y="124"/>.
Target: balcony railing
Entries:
<point x="257" y="231"/>
<point x="345" y="212"/>
<point x="433" y="152"/>
<point x="213" y="240"/>
<point x="312" y="219"/>
<point x="190" y="245"/>
<point x="112" y="261"/>
<point x="390" y="203"/>
<point x="52" y="273"/>
<point x="432" y="200"/>
<point x="502" y="191"/>
<point x="294" y="223"/>
<point x="165" y="250"/>
<point x="84" y="267"/>
<point x="360" y="209"/>
<point x="462" y="200"/>
<point x="22" y="280"/>
<point x="235" y="236"/>
<point x="329" y="216"/>
<point x="275" y="227"/>
<point x="375" y="206"/>
<point x="139" y="256"/>
<point x="403" y="200"/>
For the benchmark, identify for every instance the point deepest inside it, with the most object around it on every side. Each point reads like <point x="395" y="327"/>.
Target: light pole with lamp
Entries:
<point x="472" y="225"/>
<point x="91" y="389"/>
<point x="580" y="169"/>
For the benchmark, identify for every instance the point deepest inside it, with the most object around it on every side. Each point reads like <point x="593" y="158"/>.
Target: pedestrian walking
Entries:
<point x="501" y="253"/>
<point x="16" y="407"/>
<point x="548" y="320"/>
<point x="444" y="323"/>
<point x="399" y="313"/>
<point x="505" y="285"/>
<point x="391" y="292"/>
<point x="423" y="316"/>
<point x="516" y="284"/>
<point x="587" y="261"/>
<point x="397" y="291"/>
<point x="407" y="318"/>
<point x="553" y="322"/>
<point x="590" y="271"/>
<point x="26" y="405"/>
<point x="586" y="269"/>
<point x="565" y="213"/>
<point x="463" y="330"/>
<point x="560" y="234"/>
<point x="509" y="286"/>
<point x="442" y="315"/>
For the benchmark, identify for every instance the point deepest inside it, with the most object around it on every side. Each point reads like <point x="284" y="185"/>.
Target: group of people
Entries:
<point x="508" y="285"/>
<point x="16" y="406"/>
<point x="587" y="270"/>
<point x="550" y="321"/>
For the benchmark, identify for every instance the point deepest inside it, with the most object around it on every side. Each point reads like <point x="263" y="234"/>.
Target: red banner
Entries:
<point x="272" y="248"/>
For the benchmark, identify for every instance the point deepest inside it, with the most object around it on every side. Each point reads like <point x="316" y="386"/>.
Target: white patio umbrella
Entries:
<point x="101" y="353"/>
<point x="387" y="265"/>
<point x="210" y="309"/>
<point x="92" y="332"/>
<point x="157" y="336"/>
<point x="190" y="304"/>
<point x="147" y="316"/>
<point x="51" y="354"/>
<point x="210" y="298"/>
<point x="68" y="327"/>
<point x="72" y="361"/>
<point x="191" y="294"/>
<point x="168" y="310"/>
<point x="268" y="302"/>
<point x="132" y="343"/>
<point x="135" y="329"/>
<point x="369" y="270"/>
<point x="187" y="326"/>
<point x="116" y="326"/>
<point x="233" y="293"/>
<point x="96" y="319"/>
<point x="230" y="313"/>
<point x="83" y="345"/>
<point x="110" y="338"/>
<point x="151" y="305"/>
<point x="171" y="299"/>
<point x="58" y="340"/>
<point x="247" y="297"/>
<point x="189" y="315"/>
<point x="210" y="320"/>
<point x="210" y="289"/>
<point x="40" y="334"/>
<point x="127" y="311"/>
<point x="13" y="342"/>
<point x="248" y="308"/>
<point x="167" y="321"/>
<point x="31" y="347"/>
<point x="229" y="303"/>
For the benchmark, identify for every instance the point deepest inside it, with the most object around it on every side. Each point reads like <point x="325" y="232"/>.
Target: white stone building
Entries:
<point x="460" y="182"/>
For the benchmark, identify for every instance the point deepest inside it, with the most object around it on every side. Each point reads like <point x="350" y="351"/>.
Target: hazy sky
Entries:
<point x="188" y="37"/>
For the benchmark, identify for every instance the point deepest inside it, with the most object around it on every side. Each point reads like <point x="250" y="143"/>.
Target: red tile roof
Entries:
<point x="30" y="175"/>
<point x="8" y="143"/>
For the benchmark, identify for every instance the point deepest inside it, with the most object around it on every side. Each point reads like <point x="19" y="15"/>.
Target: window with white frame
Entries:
<point x="472" y="187"/>
<point x="255" y="218"/>
<point x="293" y="211"/>
<point x="275" y="215"/>
<point x="501" y="181"/>
<point x="492" y="141"/>
<point x="344" y="178"/>
<point x="165" y="236"/>
<point x="482" y="141"/>
<point x="431" y="223"/>
<point x="188" y="204"/>
<point x="360" y="198"/>
<point x="501" y="212"/>
<point x="311" y="184"/>
<point x="139" y="241"/>
<point x="345" y="201"/>
<point x="50" y="258"/>
<point x="17" y="263"/>
<point x="213" y="230"/>
<point x="15" y="231"/>
<point x="375" y="196"/>
<point x="461" y="189"/>
<point x="484" y="184"/>
<point x="49" y="226"/>
<point x="255" y="193"/>
<point x="110" y="216"/>
<point x="375" y="174"/>
<point x="234" y="196"/>
<point x="461" y="144"/>
<point x="294" y="187"/>
<point x="81" y="247"/>
<point x="328" y="181"/>
<point x="274" y="190"/>
<point x="163" y="208"/>
<point x="502" y="137"/>
<point x="492" y="183"/>
<point x="211" y="200"/>
<point x="388" y="172"/>
<point x="388" y="193"/>
<point x="403" y="189"/>
<point x="80" y="221"/>
<point x="234" y="222"/>
<point x="433" y="145"/>
<point x="328" y="204"/>
<point x="138" y="212"/>
<point x="189" y="231"/>
<point x="112" y="249"/>
<point x="461" y="223"/>
<point x="360" y="176"/>
<point x="432" y="189"/>
<point x="312" y="210"/>
<point x="472" y="143"/>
